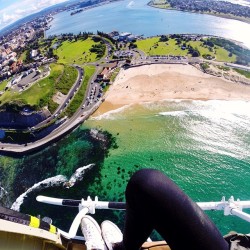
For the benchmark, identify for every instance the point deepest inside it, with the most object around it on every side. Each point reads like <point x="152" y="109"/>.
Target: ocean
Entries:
<point x="202" y="145"/>
<point x="139" y="18"/>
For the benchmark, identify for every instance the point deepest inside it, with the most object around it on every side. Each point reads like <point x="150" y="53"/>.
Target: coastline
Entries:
<point x="227" y="16"/>
<point x="157" y="82"/>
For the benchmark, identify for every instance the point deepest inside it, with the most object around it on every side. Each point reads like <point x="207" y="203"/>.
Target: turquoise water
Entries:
<point x="202" y="145"/>
<point x="138" y="18"/>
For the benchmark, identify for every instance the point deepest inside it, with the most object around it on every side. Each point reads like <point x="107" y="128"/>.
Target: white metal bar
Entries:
<point x="241" y="214"/>
<point x="211" y="205"/>
<point x="49" y="200"/>
<point x="244" y="204"/>
<point x="105" y="204"/>
<point x="75" y="225"/>
<point x="102" y="205"/>
<point x="66" y="235"/>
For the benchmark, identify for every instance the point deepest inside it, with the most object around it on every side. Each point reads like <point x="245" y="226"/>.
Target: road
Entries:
<point x="72" y="123"/>
<point x="67" y="99"/>
<point x="93" y="98"/>
<point x="90" y="103"/>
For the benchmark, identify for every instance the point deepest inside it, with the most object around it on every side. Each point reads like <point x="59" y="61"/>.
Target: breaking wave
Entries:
<point x="112" y="114"/>
<point x="56" y="181"/>
<point x="130" y="4"/>
<point x="175" y="113"/>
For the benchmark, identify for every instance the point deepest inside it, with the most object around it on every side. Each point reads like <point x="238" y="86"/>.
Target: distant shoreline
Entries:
<point x="227" y="16"/>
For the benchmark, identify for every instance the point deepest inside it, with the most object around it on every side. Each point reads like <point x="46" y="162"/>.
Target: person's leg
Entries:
<point x="155" y="202"/>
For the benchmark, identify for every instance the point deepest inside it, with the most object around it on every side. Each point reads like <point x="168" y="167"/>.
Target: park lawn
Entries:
<point x="202" y="50"/>
<point x="76" y="52"/>
<point x="78" y="98"/>
<point x="67" y="80"/>
<point x="3" y="84"/>
<point x="39" y="94"/>
<point x="44" y="89"/>
<point x="223" y="55"/>
<point x="170" y="48"/>
<point x="218" y="52"/>
<point x="163" y="48"/>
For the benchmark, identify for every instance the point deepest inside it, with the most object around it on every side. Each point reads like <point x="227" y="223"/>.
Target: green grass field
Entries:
<point x="67" y="80"/>
<point x="152" y="46"/>
<point x="3" y="84"/>
<point x="78" y="98"/>
<point x="39" y="94"/>
<point x="76" y="52"/>
<point x="61" y="78"/>
<point x="219" y="53"/>
<point x="243" y="72"/>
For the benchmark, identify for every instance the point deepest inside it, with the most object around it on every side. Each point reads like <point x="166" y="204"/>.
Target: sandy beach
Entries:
<point x="157" y="82"/>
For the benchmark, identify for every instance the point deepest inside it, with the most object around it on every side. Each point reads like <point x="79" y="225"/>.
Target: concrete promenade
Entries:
<point x="65" y="128"/>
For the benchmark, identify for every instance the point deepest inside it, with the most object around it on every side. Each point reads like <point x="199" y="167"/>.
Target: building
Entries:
<point x="123" y="36"/>
<point x="105" y="73"/>
<point x="34" y="53"/>
<point x="112" y="65"/>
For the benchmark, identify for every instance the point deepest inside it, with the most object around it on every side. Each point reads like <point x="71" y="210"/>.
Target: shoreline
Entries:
<point x="222" y="15"/>
<point x="159" y="82"/>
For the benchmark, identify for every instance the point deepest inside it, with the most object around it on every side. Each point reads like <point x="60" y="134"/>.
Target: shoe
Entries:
<point x="111" y="234"/>
<point x="92" y="234"/>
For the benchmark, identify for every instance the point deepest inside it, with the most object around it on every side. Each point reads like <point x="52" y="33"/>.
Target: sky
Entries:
<point x="12" y="10"/>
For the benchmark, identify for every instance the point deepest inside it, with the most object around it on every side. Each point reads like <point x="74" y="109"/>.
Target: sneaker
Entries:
<point x="111" y="234"/>
<point x="92" y="234"/>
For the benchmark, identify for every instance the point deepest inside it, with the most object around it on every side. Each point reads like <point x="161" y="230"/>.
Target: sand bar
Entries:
<point x="157" y="82"/>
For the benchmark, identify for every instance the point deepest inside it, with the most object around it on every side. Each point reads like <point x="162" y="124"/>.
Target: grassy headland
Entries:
<point x="37" y="95"/>
<point x="61" y="78"/>
<point x="76" y="52"/>
<point x="181" y="47"/>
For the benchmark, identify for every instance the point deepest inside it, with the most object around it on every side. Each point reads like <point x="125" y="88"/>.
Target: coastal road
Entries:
<point x="78" y="118"/>
<point x="90" y="103"/>
<point x="67" y="99"/>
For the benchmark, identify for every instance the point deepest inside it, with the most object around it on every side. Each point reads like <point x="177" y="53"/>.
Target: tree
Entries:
<point x="163" y="38"/>
<point x="195" y="53"/>
<point x="132" y="45"/>
<point x="28" y="58"/>
<point x="50" y="53"/>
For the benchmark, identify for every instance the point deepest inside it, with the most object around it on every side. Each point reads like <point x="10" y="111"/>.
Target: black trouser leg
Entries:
<point x="156" y="202"/>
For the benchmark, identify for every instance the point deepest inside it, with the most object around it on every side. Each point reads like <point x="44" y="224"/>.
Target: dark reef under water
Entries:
<point x="78" y="149"/>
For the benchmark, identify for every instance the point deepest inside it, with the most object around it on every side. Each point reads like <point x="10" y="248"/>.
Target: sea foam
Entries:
<point x="178" y="113"/>
<point x="112" y="114"/>
<point x="56" y="181"/>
